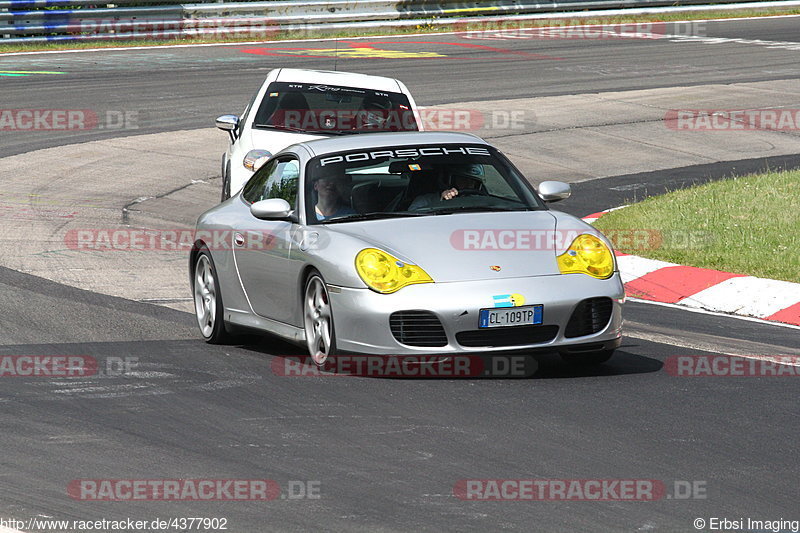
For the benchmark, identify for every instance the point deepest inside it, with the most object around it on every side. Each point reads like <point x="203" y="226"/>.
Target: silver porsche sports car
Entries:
<point x="405" y="243"/>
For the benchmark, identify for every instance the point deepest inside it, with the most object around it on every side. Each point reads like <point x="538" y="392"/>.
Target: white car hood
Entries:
<point x="276" y="140"/>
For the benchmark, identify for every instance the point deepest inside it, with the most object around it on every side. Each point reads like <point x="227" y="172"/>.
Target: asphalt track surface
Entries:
<point x="387" y="453"/>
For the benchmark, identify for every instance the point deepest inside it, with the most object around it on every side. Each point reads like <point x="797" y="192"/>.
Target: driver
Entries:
<point x="463" y="179"/>
<point x="375" y="111"/>
<point x="461" y="182"/>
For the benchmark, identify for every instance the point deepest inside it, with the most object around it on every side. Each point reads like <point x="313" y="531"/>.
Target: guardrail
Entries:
<point x="23" y="21"/>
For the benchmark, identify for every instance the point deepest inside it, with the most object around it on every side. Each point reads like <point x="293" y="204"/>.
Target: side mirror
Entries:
<point x="271" y="209"/>
<point x="554" y="191"/>
<point x="229" y="123"/>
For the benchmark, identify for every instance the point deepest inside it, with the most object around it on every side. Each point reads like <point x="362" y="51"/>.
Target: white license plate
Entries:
<point x="526" y="315"/>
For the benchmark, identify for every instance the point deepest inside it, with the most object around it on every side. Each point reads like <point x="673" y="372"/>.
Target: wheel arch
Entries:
<point x="193" y="253"/>
<point x="302" y="279"/>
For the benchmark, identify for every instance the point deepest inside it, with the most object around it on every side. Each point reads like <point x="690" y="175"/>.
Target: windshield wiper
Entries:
<point x="374" y="216"/>
<point x="279" y="127"/>
<point x="298" y="130"/>
<point x="328" y="132"/>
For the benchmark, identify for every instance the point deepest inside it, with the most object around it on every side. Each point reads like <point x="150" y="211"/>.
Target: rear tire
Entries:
<point x="208" y="307"/>
<point x="588" y="358"/>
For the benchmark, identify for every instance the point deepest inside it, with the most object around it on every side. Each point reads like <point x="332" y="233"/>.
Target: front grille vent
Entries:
<point x="590" y="316"/>
<point x="507" y="336"/>
<point x="417" y="328"/>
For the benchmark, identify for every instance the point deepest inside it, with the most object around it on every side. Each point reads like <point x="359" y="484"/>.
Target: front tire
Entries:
<point x="318" y="320"/>
<point x="209" y="310"/>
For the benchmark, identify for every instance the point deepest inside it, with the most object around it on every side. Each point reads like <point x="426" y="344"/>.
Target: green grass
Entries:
<point x="423" y="27"/>
<point x="746" y="225"/>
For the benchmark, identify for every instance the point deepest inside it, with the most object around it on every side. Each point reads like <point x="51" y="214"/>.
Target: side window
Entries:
<point x="254" y="188"/>
<point x="276" y="179"/>
<point x="283" y="182"/>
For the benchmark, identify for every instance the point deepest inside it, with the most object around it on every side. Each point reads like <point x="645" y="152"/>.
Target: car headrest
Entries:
<point x="294" y="101"/>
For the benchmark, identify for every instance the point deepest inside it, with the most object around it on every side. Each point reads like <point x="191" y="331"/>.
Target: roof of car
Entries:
<point x="344" y="79"/>
<point x="380" y="140"/>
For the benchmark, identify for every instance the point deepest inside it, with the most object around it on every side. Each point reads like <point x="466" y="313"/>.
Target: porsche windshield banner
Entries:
<point x="402" y="153"/>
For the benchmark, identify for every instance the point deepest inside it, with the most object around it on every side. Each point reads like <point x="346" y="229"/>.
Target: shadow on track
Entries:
<point x="292" y="361"/>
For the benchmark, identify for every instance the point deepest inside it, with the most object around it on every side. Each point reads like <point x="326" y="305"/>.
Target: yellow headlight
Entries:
<point x="587" y="255"/>
<point x="384" y="273"/>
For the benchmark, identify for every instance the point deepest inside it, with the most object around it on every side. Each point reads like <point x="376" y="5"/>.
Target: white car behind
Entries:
<point x="296" y="105"/>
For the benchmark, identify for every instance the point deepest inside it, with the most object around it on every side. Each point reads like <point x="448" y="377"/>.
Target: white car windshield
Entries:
<point x="409" y="181"/>
<point x="330" y="109"/>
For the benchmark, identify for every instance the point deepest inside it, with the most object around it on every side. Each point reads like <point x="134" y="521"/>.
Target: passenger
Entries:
<point x="332" y="197"/>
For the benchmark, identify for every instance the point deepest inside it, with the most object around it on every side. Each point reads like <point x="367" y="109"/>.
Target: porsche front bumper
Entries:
<point x="363" y="319"/>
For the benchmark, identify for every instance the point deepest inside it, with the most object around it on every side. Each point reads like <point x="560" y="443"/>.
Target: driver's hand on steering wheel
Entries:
<point x="449" y="194"/>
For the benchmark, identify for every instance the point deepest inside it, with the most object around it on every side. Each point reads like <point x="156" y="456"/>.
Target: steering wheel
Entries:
<point x="469" y="192"/>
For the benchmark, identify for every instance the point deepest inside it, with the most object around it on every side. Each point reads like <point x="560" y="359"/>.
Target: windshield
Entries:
<point x="330" y="109"/>
<point x="407" y="181"/>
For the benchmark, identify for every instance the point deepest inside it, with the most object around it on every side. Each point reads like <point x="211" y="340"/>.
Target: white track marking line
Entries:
<point x="660" y="338"/>
<point x="786" y="360"/>
<point x="783" y="45"/>
<point x="706" y="312"/>
<point x="709" y="342"/>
